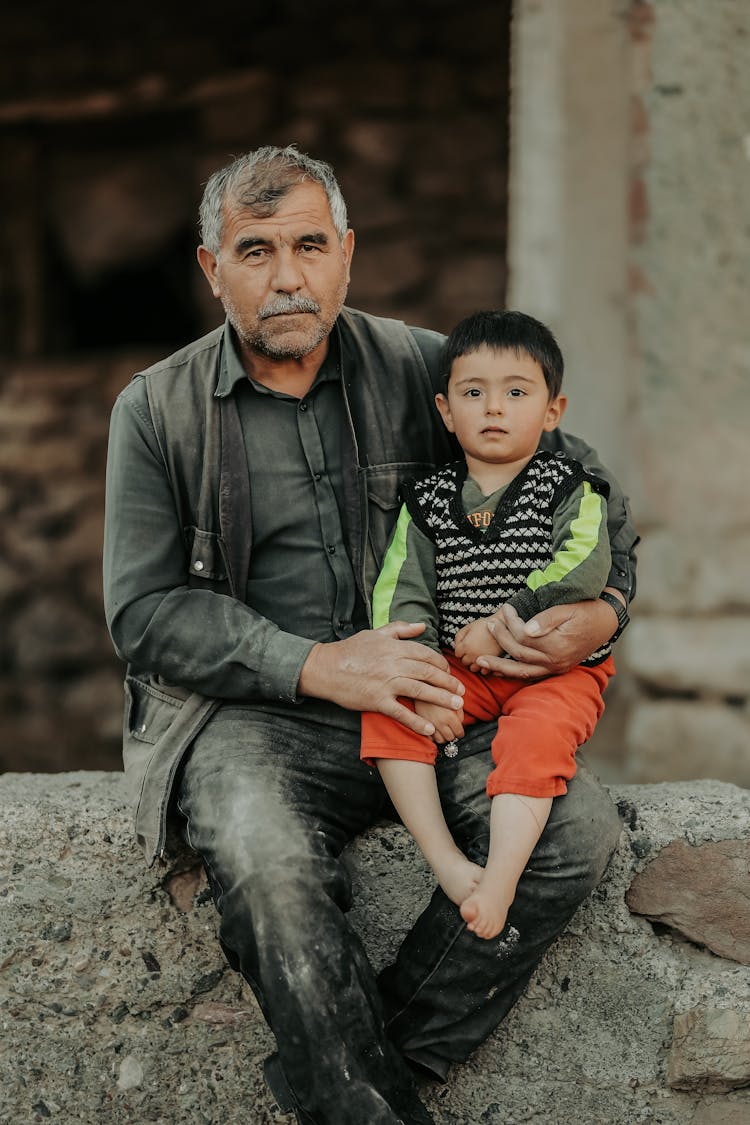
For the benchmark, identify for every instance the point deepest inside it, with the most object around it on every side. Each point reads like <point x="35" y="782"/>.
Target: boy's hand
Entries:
<point x="473" y="641"/>
<point x="448" y="724"/>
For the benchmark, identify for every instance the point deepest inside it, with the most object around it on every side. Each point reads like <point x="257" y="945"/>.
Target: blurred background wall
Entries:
<point x="587" y="162"/>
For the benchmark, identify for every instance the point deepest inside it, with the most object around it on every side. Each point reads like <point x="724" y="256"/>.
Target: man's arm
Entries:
<point x="211" y="642"/>
<point x="202" y="640"/>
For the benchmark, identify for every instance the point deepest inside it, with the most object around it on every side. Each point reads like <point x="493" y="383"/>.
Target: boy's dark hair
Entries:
<point x="506" y="331"/>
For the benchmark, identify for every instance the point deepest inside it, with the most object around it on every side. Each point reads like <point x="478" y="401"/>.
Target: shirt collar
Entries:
<point x="231" y="370"/>
<point x="230" y="367"/>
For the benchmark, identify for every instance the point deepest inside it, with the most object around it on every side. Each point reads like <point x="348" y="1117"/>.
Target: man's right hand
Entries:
<point x="369" y="671"/>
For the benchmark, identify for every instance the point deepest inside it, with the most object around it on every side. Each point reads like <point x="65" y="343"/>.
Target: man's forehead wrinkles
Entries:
<point x="279" y="228"/>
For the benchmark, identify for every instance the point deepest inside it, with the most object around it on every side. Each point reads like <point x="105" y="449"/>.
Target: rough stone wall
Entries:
<point x="106" y="135"/>
<point x="689" y="649"/>
<point x="116" y="1004"/>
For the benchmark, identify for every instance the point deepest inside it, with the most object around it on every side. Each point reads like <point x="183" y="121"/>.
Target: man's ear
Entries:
<point x="555" y="411"/>
<point x="347" y="249"/>
<point x="207" y="262"/>
<point x="441" y="402"/>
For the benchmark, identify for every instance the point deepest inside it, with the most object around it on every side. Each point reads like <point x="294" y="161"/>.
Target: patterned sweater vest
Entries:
<point x="477" y="570"/>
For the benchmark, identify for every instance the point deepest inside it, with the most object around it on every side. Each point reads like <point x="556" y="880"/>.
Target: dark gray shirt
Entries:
<point x="294" y="457"/>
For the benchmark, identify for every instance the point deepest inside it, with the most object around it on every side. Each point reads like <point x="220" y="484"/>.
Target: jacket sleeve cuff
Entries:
<point x="525" y="603"/>
<point x="281" y="666"/>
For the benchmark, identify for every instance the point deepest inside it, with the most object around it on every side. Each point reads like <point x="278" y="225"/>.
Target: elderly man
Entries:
<point x="252" y="483"/>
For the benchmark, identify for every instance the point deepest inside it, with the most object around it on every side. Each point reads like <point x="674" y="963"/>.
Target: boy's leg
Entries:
<point x="516" y="823"/>
<point x="534" y="749"/>
<point x="414" y="793"/>
<point x="449" y="989"/>
<point x="383" y="737"/>
<point x="269" y="803"/>
<point x="543" y="725"/>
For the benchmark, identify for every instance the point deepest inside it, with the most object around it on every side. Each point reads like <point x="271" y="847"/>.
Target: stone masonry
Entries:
<point x="116" y="1004"/>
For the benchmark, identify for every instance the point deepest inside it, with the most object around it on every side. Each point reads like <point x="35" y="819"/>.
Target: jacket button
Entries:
<point x="331" y="549"/>
<point x="198" y="565"/>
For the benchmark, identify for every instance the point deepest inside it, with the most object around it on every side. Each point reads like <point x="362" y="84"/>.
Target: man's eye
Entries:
<point x="307" y="247"/>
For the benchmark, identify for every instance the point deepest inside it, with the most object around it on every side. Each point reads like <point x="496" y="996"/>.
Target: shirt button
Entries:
<point x="198" y="565"/>
<point x="317" y="476"/>
<point x="303" y="406"/>
<point x="331" y="549"/>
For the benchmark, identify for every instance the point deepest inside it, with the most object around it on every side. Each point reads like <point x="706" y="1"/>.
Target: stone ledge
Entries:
<point x="116" y="1005"/>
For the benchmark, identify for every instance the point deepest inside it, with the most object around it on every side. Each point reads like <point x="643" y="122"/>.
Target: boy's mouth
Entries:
<point x="494" y="430"/>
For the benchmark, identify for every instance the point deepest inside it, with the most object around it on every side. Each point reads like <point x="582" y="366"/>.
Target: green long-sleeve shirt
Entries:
<point x="581" y="560"/>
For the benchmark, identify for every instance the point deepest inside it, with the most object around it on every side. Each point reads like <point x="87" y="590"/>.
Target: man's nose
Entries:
<point x="287" y="275"/>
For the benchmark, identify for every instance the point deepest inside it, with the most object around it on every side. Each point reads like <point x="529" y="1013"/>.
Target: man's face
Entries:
<point x="282" y="279"/>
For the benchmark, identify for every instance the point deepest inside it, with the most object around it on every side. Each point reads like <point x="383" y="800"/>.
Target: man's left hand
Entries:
<point x="550" y="643"/>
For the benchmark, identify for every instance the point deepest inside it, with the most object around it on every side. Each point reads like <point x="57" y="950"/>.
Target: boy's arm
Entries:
<point x="405" y="591"/>
<point x="406" y="585"/>
<point x="622" y="535"/>
<point x="581" y="558"/>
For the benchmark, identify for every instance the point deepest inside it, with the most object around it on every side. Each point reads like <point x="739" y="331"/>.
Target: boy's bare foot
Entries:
<point x="484" y="911"/>
<point x="457" y="875"/>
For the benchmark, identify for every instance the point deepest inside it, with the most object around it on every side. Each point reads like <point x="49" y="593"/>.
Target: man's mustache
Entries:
<point x="287" y="304"/>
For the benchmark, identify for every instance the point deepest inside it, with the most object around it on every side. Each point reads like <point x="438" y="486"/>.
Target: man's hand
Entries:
<point x="447" y="723"/>
<point x="475" y="640"/>
<point x="552" y="642"/>
<point x="369" y="671"/>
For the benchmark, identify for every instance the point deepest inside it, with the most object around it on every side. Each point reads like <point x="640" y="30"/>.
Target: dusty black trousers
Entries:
<point x="270" y="803"/>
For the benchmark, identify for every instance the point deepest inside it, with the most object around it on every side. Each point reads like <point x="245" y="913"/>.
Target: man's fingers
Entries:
<point x="501" y="666"/>
<point x="516" y="647"/>
<point x="427" y="693"/>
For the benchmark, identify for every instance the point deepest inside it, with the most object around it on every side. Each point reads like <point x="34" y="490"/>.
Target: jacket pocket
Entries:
<point x="149" y="712"/>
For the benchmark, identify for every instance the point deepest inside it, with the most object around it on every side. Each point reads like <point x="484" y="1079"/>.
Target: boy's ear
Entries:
<point x="555" y="411"/>
<point x="441" y="402"/>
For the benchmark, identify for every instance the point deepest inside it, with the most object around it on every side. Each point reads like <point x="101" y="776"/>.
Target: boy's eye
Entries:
<point x="472" y="392"/>
<point x="516" y="392"/>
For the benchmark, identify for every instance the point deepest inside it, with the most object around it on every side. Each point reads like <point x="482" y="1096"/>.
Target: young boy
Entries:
<point x="510" y="525"/>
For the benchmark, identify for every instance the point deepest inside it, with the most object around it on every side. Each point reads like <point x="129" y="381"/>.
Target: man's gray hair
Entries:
<point x="258" y="181"/>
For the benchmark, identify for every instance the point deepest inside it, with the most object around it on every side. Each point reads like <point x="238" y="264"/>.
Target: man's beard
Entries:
<point x="265" y="343"/>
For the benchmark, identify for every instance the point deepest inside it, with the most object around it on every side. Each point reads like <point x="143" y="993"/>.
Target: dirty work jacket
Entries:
<point x="178" y="533"/>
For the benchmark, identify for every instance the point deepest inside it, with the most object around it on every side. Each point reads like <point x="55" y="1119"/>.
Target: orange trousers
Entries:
<point x="543" y="722"/>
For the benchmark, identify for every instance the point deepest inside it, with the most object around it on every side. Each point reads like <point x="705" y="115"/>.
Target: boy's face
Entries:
<point x="497" y="406"/>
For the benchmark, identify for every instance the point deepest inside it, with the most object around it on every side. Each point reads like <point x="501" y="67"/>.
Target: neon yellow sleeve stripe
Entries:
<point x="395" y="557"/>
<point x="584" y="538"/>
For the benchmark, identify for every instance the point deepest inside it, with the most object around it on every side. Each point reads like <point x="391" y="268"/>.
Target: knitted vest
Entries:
<point x="477" y="570"/>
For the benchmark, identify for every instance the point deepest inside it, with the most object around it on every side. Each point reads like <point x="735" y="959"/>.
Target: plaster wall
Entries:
<point x="645" y="280"/>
